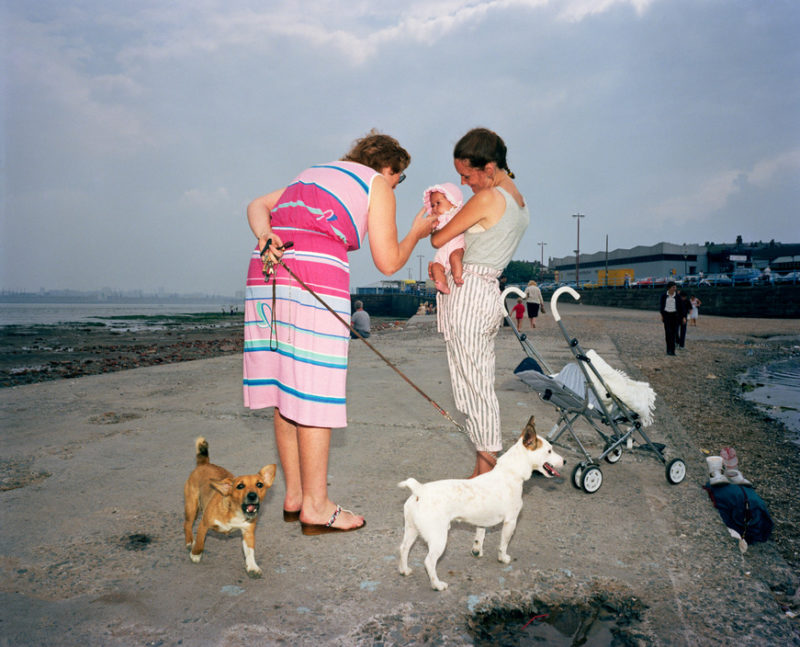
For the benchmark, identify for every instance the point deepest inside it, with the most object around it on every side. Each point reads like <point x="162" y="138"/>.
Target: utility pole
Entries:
<point x="542" y="244"/>
<point x="420" y="256"/>
<point x="578" y="217"/>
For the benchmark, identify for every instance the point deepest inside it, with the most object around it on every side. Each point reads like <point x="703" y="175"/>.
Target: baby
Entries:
<point x="444" y="200"/>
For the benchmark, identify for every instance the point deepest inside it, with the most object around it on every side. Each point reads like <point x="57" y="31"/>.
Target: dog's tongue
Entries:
<point x="251" y="508"/>
<point x="551" y="469"/>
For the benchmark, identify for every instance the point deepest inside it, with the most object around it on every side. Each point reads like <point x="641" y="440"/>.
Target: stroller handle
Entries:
<point x="509" y="290"/>
<point x="558" y="293"/>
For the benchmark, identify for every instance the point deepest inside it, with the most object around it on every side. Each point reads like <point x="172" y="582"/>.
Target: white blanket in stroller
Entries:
<point x="639" y="396"/>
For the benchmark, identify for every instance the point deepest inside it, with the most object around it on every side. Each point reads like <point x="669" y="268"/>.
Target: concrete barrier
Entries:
<point x="778" y="301"/>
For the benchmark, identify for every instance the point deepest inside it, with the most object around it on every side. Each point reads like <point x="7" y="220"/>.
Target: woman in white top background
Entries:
<point x="533" y="301"/>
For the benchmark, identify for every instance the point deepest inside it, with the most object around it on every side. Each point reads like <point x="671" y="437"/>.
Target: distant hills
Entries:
<point x="113" y="296"/>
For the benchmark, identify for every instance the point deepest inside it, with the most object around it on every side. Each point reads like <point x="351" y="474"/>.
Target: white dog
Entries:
<point x="483" y="501"/>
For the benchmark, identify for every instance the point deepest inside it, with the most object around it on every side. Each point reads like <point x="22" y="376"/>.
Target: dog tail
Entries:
<point x="411" y="484"/>
<point x="201" y="449"/>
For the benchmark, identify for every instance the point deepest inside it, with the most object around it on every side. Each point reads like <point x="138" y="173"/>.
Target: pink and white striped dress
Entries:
<point x="295" y="351"/>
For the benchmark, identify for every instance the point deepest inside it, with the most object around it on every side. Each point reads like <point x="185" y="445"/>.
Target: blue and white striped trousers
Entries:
<point x="470" y="317"/>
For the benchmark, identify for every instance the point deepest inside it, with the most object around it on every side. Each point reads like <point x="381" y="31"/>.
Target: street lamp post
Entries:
<point x="578" y="217"/>
<point x="420" y="256"/>
<point x="542" y="244"/>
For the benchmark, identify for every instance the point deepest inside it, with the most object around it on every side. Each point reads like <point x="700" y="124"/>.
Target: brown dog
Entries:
<point x="225" y="503"/>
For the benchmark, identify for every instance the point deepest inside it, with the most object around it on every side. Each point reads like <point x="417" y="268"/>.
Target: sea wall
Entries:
<point x="778" y="301"/>
<point x="402" y="306"/>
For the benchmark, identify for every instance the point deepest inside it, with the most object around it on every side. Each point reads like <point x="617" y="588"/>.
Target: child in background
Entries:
<point x="445" y="200"/>
<point x="519" y="313"/>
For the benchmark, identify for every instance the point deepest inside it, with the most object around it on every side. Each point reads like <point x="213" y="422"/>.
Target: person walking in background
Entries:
<point x="694" y="313"/>
<point x="295" y="352"/>
<point x="683" y="311"/>
<point x="519" y="313"/>
<point x="670" y="316"/>
<point x="534" y="302"/>
<point x="494" y="219"/>
<point x="360" y="321"/>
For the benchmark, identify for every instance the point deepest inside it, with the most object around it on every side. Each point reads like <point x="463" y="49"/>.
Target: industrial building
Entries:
<point x="669" y="259"/>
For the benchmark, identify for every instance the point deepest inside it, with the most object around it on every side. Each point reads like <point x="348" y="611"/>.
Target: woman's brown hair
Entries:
<point x="378" y="151"/>
<point x="481" y="146"/>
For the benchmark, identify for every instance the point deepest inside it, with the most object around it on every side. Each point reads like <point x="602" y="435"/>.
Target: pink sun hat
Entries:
<point x="448" y="189"/>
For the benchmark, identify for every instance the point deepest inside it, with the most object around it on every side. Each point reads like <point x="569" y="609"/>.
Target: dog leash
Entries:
<point x="269" y="269"/>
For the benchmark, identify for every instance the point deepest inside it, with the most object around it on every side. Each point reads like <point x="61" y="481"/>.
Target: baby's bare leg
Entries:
<point x="457" y="266"/>
<point x="439" y="278"/>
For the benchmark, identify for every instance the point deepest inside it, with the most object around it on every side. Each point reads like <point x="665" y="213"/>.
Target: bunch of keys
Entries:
<point x="269" y="262"/>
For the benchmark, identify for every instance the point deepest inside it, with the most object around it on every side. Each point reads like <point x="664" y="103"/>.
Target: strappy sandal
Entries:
<point x="324" y="528"/>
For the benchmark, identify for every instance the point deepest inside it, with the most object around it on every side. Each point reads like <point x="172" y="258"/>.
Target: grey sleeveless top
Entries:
<point x="495" y="246"/>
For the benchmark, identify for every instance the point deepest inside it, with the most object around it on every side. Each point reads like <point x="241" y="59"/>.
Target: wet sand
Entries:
<point x="93" y="466"/>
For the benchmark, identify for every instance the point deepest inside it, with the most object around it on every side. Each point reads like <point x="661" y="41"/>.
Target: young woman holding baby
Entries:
<point x="493" y="222"/>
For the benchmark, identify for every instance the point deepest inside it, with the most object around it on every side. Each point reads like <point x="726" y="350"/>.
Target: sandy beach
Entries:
<point x="93" y="464"/>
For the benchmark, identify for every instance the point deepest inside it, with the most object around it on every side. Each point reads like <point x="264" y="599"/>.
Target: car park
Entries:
<point x="789" y="277"/>
<point x="745" y="276"/>
<point x="716" y="279"/>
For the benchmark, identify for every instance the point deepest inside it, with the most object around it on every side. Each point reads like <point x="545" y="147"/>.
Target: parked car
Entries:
<point x="646" y="282"/>
<point x="789" y="277"/>
<point x="691" y="279"/>
<point x="717" y="279"/>
<point x="745" y="276"/>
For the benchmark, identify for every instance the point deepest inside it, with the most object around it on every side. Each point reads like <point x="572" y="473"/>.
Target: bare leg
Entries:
<point x="519" y="324"/>
<point x="457" y="266"/>
<point x="314" y="446"/>
<point x="484" y="462"/>
<point x="289" y="453"/>
<point x="439" y="278"/>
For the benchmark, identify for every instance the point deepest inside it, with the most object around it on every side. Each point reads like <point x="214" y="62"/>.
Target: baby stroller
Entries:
<point x="581" y="390"/>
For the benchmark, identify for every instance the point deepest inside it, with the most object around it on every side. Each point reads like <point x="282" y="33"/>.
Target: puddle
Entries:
<point x="598" y="623"/>
<point x="136" y="541"/>
<point x="775" y="389"/>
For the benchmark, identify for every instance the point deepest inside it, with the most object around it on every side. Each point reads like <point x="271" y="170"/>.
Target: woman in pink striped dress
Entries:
<point x="295" y="354"/>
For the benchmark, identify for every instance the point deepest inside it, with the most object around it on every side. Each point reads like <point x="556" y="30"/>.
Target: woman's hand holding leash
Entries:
<point x="271" y="249"/>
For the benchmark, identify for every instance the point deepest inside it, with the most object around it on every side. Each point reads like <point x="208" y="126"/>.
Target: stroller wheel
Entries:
<point x="592" y="479"/>
<point x="676" y="471"/>
<point x="577" y="473"/>
<point x="614" y="455"/>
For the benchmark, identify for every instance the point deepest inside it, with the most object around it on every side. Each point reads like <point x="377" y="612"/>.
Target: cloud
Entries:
<point x="358" y="38"/>
<point x="94" y="109"/>
<point x="578" y="10"/>
<point x="716" y="191"/>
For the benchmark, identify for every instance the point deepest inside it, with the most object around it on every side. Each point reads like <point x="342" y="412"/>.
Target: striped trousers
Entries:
<point x="470" y="317"/>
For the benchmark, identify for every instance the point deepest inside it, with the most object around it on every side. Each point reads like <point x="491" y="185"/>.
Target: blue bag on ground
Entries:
<point x="742" y="510"/>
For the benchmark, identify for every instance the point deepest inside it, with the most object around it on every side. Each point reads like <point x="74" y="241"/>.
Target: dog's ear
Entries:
<point x="224" y="487"/>
<point x="529" y="438"/>
<point x="268" y="474"/>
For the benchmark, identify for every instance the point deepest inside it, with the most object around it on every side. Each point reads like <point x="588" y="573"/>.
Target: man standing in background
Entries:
<point x="670" y="315"/>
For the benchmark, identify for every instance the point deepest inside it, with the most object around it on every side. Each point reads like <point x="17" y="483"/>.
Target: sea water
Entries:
<point x="26" y="314"/>
<point x="775" y="388"/>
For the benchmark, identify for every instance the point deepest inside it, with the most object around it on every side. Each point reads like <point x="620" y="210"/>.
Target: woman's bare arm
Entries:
<point x="388" y="253"/>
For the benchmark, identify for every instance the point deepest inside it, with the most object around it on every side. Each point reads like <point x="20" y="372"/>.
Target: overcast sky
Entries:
<point x="136" y="132"/>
